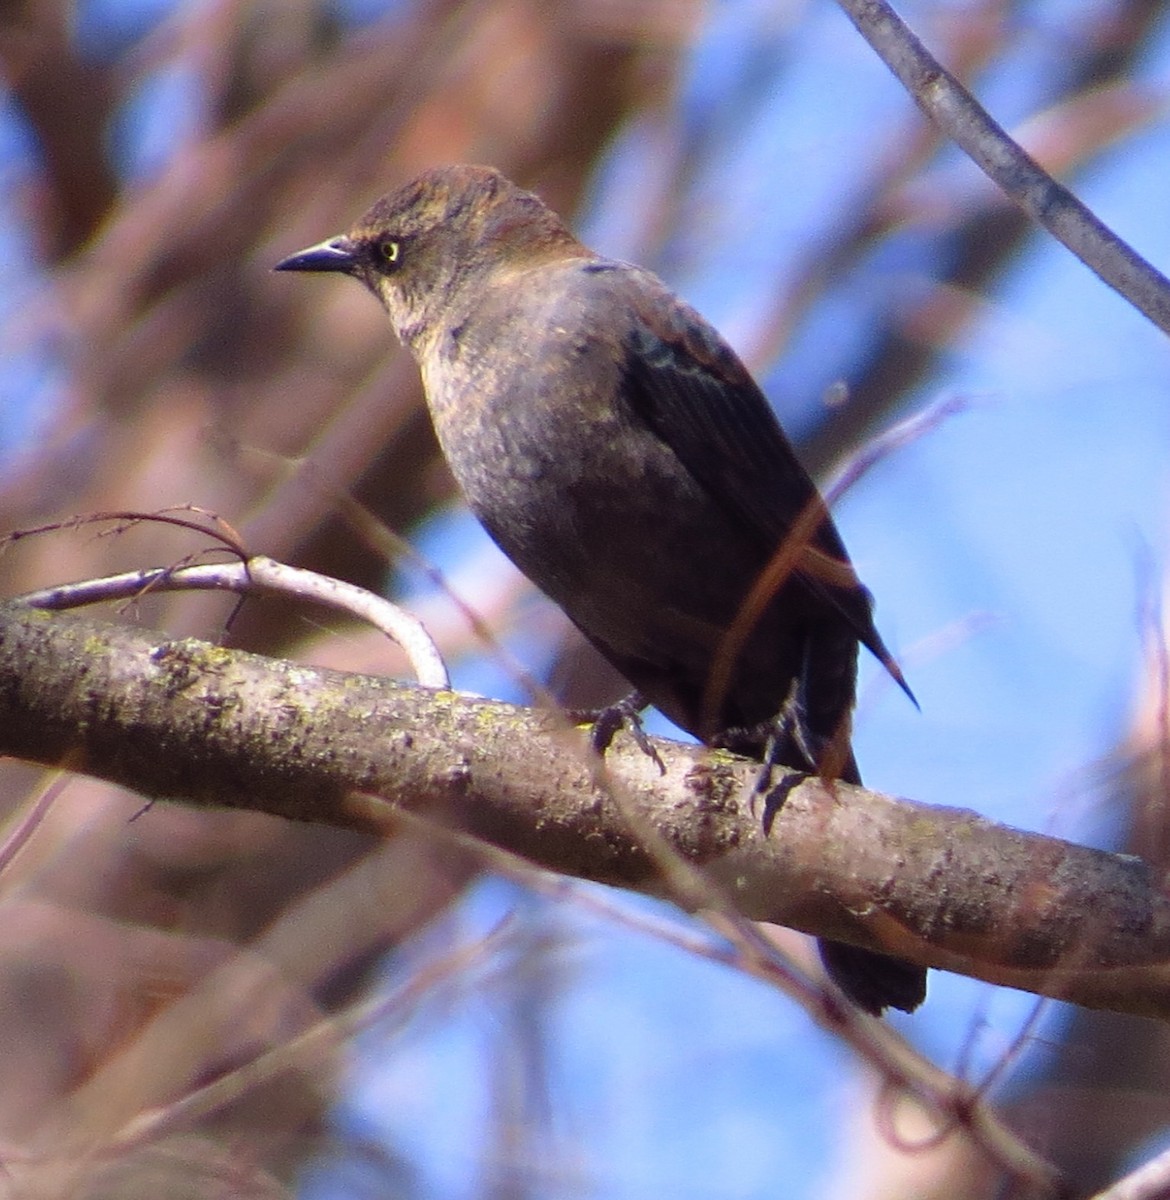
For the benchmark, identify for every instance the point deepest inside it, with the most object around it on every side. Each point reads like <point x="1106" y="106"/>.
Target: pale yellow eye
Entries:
<point x="390" y="250"/>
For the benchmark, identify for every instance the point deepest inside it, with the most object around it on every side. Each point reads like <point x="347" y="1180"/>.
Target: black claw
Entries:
<point x="775" y="795"/>
<point x="608" y="721"/>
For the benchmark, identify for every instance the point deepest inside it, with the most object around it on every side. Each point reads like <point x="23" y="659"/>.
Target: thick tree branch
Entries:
<point x="188" y="721"/>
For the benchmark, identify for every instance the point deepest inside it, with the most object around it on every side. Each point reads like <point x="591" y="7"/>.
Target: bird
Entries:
<point x="619" y="452"/>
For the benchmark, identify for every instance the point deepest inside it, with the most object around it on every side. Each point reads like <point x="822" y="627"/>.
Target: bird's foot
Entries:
<point x="606" y="722"/>
<point x="779" y="745"/>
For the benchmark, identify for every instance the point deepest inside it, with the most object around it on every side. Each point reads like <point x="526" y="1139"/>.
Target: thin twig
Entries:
<point x="260" y="574"/>
<point x="311" y="1046"/>
<point x="1151" y="1181"/>
<point x="742" y="945"/>
<point x="954" y="110"/>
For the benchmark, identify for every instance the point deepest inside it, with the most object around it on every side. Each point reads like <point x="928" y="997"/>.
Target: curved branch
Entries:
<point x="257" y="575"/>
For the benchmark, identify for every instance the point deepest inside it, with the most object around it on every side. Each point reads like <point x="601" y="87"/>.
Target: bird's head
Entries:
<point x="426" y="249"/>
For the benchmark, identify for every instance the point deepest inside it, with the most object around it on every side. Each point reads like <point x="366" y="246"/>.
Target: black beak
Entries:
<point x="337" y="254"/>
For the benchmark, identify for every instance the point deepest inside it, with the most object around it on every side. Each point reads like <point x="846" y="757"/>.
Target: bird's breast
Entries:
<point x="585" y="499"/>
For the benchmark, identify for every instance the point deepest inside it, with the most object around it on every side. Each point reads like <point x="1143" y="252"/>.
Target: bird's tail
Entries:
<point x="873" y="981"/>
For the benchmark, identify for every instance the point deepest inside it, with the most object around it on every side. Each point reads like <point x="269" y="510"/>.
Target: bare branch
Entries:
<point x="946" y="102"/>
<point x="260" y="574"/>
<point x="941" y="886"/>
<point x="1151" y="1181"/>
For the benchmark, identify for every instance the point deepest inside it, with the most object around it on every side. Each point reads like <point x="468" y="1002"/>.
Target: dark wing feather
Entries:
<point x="692" y="390"/>
<point x="688" y="386"/>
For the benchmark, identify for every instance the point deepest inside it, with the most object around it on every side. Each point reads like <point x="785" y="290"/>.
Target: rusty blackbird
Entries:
<point x="621" y="455"/>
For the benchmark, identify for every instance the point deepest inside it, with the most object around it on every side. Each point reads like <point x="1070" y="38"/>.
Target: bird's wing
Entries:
<point x="692" y="390"/>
